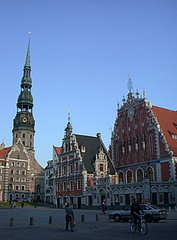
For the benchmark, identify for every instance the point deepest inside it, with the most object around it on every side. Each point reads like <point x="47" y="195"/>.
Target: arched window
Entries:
<point x="139" y="175"/>
<point x="150" y="173"/>
<point x="121" y="179"/>
<point x="129" y="176"/>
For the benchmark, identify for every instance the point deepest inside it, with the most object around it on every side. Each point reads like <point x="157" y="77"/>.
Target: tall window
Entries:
<point x="121" y="179"/>
<point x="139" y="175"/>
<point x="150" y="173"/>
<point x="129" y="176"/>
<point x="79" y="184"/>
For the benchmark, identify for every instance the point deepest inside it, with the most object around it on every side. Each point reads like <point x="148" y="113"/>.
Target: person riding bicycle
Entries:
<point x="136" y="210"/>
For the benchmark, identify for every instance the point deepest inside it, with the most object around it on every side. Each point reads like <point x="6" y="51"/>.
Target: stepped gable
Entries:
<point x="167" y="120"/>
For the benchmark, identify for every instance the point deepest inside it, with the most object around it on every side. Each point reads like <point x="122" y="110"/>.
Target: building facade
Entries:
<point x="21" y="176"/>
<point x="83" y="162"/>
<point x="144" y="151"/>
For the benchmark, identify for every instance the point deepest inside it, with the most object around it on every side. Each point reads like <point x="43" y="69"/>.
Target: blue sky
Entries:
<point x="81" y="54"/>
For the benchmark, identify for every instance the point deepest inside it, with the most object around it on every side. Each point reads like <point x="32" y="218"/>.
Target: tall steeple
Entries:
<point x="23" y="124"/>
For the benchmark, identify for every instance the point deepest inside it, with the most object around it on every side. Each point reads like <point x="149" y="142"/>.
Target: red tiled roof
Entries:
<point x="4" y="152"/>
<point x="167" y="120"/>
<point x="58" y="150"/>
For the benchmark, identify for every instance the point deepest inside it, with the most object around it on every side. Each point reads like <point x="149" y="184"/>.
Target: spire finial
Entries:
<point x="69" y="117"/>
<point x="130" y="84"/>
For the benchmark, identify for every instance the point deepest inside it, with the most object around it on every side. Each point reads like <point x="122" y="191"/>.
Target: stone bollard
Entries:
<point x="82" y="218"/>
<point x="175" y="208"/>
<point x="169" y="209"/>
<point x="31" y="221"/>
<point x="97" y="217"/>
<point x="11" y="222"/>
<point x="50" y="220"/>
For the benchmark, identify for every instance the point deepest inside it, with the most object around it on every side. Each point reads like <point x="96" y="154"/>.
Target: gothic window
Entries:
<point x="121" y="177"/>
<point x="150" y="174"/>
<point x="143" y="144"/>
<point x="23" y="172"/>
<point x="139" y="175"/>
<point x="12" y="171"/>
<point x="23" y="188"/>
<point x="23" y="135"/>
<point x="17" y="187"/>
<point x="136" y="144"/>
<point x="18" y="172"/>
<point x="24" y="143"/>
<point x="129" y="176"/>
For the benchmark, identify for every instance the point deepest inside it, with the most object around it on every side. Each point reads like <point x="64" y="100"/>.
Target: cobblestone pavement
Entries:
<point x="95" y="226"/>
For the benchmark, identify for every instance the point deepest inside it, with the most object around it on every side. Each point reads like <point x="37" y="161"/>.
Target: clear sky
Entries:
<point x="81" y="54"/>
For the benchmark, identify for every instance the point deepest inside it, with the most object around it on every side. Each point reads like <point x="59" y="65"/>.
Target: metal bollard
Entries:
<point x="50" y="220"/>
<point x="31" y="221"/>
<point x="97" y="217"/>
<point x="11" y="222"/>
<point x="169" y="209"/>
<point x="82" y="218"/>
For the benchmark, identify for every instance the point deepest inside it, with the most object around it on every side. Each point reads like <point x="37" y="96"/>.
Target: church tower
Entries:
<point x="23" y="124"/>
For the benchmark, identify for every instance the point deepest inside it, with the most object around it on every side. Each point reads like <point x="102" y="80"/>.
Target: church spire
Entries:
<point x="23" y="125"/>
<point x="27" y="63"/>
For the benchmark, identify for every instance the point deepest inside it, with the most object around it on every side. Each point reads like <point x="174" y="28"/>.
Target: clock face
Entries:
<point x="24" y="119"/>
<point x="131" y="112"/>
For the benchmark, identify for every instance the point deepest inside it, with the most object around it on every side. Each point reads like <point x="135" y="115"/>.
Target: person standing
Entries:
<point x="69" y="217"/>
<point x="103" y="207"/>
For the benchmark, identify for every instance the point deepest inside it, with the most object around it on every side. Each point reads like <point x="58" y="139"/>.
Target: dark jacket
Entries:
<point x="69" y="214"/>
<point x="135" y="208"/>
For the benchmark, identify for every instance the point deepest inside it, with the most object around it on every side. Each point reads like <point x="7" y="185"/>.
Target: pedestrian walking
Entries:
<point x="69" y="217"/>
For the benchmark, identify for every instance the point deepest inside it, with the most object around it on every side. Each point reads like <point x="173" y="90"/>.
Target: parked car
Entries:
<point x="151" y="213"/>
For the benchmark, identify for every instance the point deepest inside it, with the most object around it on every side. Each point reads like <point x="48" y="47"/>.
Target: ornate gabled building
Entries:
<point x="21" y="176"/>
<point x="82" y="164"/>
<point x="144" y="151"/>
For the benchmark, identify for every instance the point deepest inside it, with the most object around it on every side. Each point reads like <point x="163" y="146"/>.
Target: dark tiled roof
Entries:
<point x="92" y="145"/>
<point x="167" y="120"/>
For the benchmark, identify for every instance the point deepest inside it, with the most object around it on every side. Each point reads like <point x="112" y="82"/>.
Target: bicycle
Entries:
<point x="141" y="225"/>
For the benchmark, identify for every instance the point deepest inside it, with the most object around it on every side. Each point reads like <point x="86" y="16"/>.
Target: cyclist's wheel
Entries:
<point x="144" y="228"/>
<point x="133" y="227"/>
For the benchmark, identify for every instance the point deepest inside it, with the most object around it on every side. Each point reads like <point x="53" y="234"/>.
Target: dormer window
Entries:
<point x="173" y="135"/>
